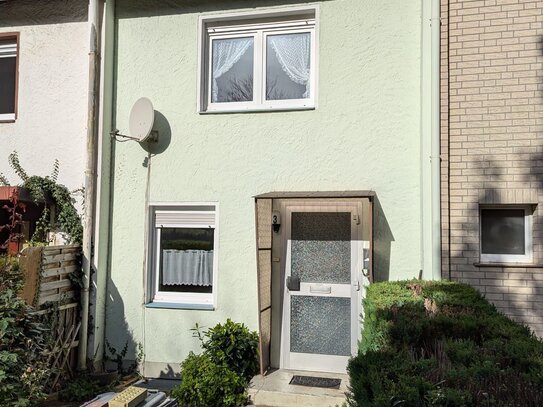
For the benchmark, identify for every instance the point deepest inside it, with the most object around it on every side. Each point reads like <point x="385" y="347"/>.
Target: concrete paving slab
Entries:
<point x="274" y="390"/>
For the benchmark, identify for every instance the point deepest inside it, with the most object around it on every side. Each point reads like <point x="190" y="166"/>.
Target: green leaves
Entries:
<point x="221" y="374"/>
<point x="442" y="344"/>
<point x="23" y="368"/>
<point x="206" y="383"/>
<point x="47" y="190"/>
<point x="233" y="344"/>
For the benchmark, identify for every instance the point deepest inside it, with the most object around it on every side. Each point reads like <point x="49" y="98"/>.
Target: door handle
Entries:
<point x="356" y="285"/>
<point x="293" y="283"/>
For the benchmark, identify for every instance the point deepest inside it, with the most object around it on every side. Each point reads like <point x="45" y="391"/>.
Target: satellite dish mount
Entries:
<point x="142" y="118"/>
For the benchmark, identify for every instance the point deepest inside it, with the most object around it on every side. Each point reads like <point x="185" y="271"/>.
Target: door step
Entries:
<point x="274" y="390"/>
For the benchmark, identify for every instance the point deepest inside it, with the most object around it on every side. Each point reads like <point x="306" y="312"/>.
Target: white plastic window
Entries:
<point x="184" y="254"/>
<point x="262" y="64"/>
<point x="8" y="77"/>
<point x="506" y="234"/>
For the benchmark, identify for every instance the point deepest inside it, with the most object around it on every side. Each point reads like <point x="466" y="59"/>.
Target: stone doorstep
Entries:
<point x="274" y="390"/>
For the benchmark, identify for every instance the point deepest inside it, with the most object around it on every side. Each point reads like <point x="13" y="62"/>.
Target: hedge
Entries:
<point x="442" y="344"/>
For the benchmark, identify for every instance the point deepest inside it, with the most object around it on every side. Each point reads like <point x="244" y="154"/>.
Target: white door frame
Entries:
<point x="314" y="362"/>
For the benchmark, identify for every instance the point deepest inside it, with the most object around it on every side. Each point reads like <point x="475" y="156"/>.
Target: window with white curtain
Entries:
<point x="8" y="76"/>
<point x="261" y="63"/>
<point x="183" y="254"/>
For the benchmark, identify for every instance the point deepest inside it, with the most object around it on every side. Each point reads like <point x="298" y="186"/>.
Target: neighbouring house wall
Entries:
<point x="492" y="128"/>
<point x="52" y="99"/>
<point x="364" y="135"/>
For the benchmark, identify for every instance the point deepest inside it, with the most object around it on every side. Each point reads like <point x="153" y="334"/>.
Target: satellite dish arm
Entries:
<point x="115" y="134"/>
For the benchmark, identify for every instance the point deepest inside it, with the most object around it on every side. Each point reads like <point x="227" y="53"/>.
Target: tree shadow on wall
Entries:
<point x="508" y="173"/>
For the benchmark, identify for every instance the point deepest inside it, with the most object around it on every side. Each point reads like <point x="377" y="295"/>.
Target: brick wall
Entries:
<point x="492" y="141"/>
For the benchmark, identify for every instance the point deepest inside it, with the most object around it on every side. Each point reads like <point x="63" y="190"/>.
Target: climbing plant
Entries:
<point x="64" y="218"/>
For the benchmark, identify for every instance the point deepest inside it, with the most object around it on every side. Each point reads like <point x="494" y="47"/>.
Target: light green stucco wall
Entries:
<point x="364" y="135"/>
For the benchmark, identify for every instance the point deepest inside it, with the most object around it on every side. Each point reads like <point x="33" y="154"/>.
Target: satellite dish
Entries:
<point x="142" y="118"/>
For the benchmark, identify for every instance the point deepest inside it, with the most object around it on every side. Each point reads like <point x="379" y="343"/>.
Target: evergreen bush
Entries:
<point x="221" y="374"/>
<point x="442" y="344"/>
<point x="206" y="383"/>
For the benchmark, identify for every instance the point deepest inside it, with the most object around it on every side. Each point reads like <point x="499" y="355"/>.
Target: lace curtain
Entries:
<point x="187" y="267"/>
<point x="293" y="51"/>
<point x="225" y="54"/>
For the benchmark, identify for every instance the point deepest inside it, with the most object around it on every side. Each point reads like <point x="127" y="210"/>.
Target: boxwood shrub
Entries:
<point x="442" y="344"/>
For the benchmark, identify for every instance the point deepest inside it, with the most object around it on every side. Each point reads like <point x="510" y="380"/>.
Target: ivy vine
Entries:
<point x="65" y="218"/>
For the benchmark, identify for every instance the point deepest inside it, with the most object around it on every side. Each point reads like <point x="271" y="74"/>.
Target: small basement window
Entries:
<point x="262" y="62"/>
<point x="184" y="254"/>
<point x="506" y="234"/>
<point x="8" y="77"/>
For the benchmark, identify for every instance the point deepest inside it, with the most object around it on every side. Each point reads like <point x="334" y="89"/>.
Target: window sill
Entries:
<point x="7" y="121"/>
<point x="258" y="110"/>
<point x="509" y="265"/>
<point x="173" y="305"/>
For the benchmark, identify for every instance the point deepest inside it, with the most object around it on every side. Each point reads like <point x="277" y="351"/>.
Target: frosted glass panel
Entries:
<point x="320" y="325"/>
<point x="321" y="247"/>
<point x="502" y="231"/>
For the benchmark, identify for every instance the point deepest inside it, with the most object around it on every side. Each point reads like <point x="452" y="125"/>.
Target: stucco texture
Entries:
<point x="363" y="135"/>
<point x="52" y="100"/>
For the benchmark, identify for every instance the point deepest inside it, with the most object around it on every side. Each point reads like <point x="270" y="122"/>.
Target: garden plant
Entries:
<point x="442" y="344"/>
<point x="221" y="374"/>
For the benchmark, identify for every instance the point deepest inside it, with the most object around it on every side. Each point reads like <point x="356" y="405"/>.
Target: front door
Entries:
<point x="322" y="291"/>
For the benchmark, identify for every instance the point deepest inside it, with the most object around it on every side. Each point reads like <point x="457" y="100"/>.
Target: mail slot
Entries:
<point x="320" y="289"/>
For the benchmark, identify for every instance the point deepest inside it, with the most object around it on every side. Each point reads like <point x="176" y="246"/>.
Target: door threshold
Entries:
<point x="274" y="389"/>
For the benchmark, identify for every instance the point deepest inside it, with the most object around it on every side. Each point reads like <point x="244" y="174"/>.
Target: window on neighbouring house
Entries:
<point x="259" y="64"/>
<point x="506" y="234"/>
<point x="184" y="254"/>
<point x="8" y="77"/>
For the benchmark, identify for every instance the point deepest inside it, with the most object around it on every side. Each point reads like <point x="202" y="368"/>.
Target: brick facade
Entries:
<point x="492" y="141"/>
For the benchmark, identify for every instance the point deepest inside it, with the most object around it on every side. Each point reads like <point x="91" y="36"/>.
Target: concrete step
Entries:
<point x="274" y="390"/>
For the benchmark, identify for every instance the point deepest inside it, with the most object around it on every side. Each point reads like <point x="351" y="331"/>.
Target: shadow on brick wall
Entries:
<point x="509" y="172"/>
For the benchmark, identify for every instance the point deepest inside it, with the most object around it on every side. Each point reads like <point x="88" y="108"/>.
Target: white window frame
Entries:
<point x="11" y="51"/>
<point x="192" y="300"/>
<point x="528" y="240"/>
<point x="246" y="24"/>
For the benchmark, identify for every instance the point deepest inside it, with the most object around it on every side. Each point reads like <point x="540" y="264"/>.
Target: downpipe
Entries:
<point x="90" y="178"/>
<point x="436" y="141"/>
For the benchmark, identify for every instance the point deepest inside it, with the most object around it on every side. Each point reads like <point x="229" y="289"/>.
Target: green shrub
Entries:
<point x="442" y="344"/>
<point x="221" y="374"/>
<point x="232" y="344"/>
<point x="81" y="388"/>
<point x="206" y="383"/>
<point x="23" y="368"/>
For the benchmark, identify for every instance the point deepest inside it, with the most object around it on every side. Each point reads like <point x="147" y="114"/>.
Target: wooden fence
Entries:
<point x="51" y="275"/>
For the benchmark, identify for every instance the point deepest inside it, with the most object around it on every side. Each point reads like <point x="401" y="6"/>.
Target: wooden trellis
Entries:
<point x="50" y="289"/>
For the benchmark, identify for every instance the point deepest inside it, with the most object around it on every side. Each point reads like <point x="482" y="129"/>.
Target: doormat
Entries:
<point x="312" y="381"/>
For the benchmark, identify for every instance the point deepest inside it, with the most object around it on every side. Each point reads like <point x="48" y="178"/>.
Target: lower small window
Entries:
<point x="184" y="261"/>
<point x="506" y="234"/>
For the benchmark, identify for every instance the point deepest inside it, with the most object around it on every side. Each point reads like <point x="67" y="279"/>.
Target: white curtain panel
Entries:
<point x="225" y="54"/>
<point x="294" y="54"/>
<point x="187" y="267"/>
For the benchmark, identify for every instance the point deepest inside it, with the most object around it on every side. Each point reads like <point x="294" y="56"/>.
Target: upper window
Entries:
<point x="259" y="64"/>
<point x="8" y="77"/>
<point x="184" y="254"/>
<point x="506" y="234"/>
